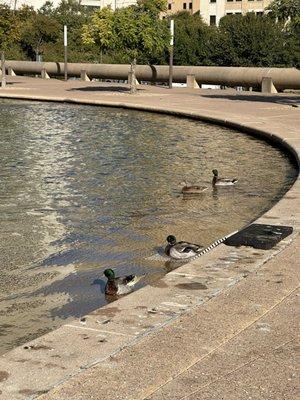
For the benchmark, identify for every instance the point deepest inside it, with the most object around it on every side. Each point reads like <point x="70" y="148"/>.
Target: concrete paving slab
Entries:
<point x="204" y="333"/>
<point x="158" y="337"/>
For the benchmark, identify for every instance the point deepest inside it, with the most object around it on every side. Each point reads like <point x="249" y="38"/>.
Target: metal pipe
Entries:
<point x="283" y="78"/>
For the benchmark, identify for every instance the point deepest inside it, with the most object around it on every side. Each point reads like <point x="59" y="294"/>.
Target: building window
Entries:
<point x="260" y="13"/>
<point x="212" y="20"/>
<point x="229" y="0"/>
<point x="213" y="1"/>
<point x="238" y="13"/>
<point x="238" y="0"/>
<point x="184" y="6"/>
<point x="190" y="6"/>
<point x="169" y="6"/>
<point x="229" y="13"/>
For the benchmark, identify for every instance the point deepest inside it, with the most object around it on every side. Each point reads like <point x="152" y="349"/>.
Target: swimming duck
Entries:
<point x="117" y="285"/>
<point x="216" y="181"/>
<point x="192" y="189"/>
<point x="181" y="250"/>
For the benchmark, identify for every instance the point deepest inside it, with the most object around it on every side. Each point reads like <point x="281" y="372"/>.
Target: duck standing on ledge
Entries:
<point x="181" y="250"/>
<point x="117" y="285"/>
<point x="216" y="181"/>
<point x="192" y="189"/>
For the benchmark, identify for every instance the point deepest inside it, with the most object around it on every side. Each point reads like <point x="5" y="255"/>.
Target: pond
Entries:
<point x="86" y="188"/>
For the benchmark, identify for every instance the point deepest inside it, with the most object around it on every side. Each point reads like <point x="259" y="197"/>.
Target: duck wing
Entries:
<point x="127" y="279"/>
<point x="184" y="250"/>
<point x="187" y="247"/>
<point x="130" y="280"/>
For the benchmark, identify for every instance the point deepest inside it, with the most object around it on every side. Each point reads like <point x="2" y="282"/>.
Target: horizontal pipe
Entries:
<point x="283" y="78"/>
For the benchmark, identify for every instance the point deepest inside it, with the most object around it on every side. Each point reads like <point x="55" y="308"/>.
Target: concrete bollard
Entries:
<point x="267" y="85"/>
<point x="44" y="74"/>
<point x="83" y="76"/>
<point x="131" y="78"/>
<point x="191" y="82"/>
<point x="11" y="72"/>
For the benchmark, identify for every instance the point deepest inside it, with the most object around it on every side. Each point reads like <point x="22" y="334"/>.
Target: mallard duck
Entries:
<point x="117" y="285"/>
<point x="192" y="189"/>
<point x="216" y="181"/>
<point x="181" y="250"/>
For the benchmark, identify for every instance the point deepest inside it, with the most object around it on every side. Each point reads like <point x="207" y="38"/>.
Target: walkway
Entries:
<point x="221" y="327"/>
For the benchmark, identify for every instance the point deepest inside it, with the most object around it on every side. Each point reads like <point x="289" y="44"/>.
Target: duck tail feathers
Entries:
<point x="134" y="279"/>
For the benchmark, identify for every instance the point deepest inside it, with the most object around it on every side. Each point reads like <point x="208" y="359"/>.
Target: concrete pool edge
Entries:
<point x="165" y="307"/>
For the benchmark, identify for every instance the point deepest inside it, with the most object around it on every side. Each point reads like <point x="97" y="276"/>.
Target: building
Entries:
<point x="244" y="6"/>
<point x="113" y="4"/>
<point x="213" y="10"/>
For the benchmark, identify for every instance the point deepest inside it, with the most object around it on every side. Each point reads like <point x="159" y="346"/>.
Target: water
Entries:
<point x="87" y="188"/>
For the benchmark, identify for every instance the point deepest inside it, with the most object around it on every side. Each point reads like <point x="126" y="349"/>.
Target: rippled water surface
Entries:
<point x="87" y="188"/>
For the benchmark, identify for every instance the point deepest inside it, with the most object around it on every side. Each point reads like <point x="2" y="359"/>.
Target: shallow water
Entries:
<point x="86" y="188"/>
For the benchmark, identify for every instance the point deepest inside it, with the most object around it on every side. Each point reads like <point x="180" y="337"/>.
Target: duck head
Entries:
<point x="215" y="172"/>
<point x="171" y="239"/>
<point x="109" y="273"/>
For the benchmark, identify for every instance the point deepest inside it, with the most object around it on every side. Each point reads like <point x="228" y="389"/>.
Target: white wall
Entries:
<point x="207" y="9"/>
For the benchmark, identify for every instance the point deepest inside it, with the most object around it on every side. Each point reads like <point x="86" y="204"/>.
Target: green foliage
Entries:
<point x="285" y="10"/>
<point x="292" y="31"/>
<point x="37" y="31"/>
<point x="195" y="42"/>
<point x="136" y="31"/>
<point x="9" y="28"/>
<point x="253" y="40"/>
<point x="240" y="40"/>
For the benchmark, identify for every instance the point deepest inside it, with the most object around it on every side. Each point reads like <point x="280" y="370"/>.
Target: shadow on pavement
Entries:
<point x="119" y="89"/>
<point x="289" y="100"/>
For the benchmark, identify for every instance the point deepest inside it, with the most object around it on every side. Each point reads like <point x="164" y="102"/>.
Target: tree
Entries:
<point x="196" y="43"/>
<point x="132" y="32"/>
<point x="253" y="40"/>
<point x="74" y="15"/>
<point x="37" y="31"/>
<point x="288" y="13"/>
<point x="285" y="10"/>
<point x="9" y="28"/>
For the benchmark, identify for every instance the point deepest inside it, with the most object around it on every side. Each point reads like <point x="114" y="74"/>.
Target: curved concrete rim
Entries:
<point x="280" y="212"/>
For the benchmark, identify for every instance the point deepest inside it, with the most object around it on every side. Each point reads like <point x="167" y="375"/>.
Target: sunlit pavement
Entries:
<point x="234" y="339"/>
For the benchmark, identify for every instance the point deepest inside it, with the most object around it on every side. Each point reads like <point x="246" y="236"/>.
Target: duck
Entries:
<point x="119" y="285"/>
<point x="217" y="181"/>
<point x="192" y="189"/>
<point x="181" y="250"/>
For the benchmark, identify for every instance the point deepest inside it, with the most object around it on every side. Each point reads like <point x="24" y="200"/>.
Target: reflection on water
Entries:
<point x="83" y="189"/>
